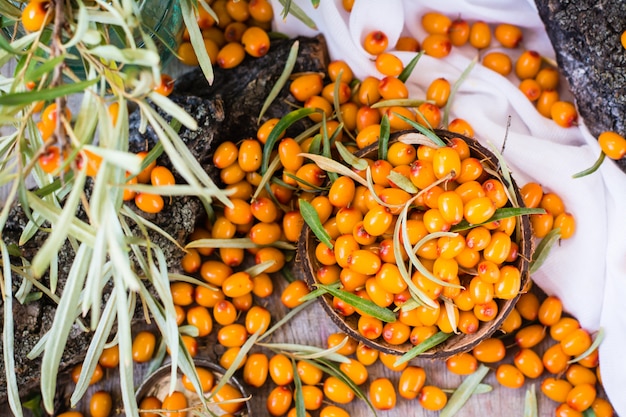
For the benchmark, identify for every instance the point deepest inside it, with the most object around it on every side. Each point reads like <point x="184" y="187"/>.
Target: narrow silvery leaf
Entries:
<point x="464" y="392"/>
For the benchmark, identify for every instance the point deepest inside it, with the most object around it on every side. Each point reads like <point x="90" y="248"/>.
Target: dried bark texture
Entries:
<point x="226" y="110"/>
<point x="586" y="38"/>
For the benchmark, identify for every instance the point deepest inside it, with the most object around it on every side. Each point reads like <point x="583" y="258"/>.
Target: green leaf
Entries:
<point x="64" y="317"/>
<point x="8" y="339"/>
<point x="286" y="318"/>
<point x="29" y="97"/>
<point x="46" y="67"/>
<point x="291" y="8"/>
<point x="352" y="160"/>
<point x="425" y="131"/>
<point x="242" y="242"/>
<point x="406" y="72"/>
<point x="530" y="402"/>
<point x="195" y="36"/>
<point x="593" y="168"/>
<point x="330" y="165"/>
<point x="589" y="413"/>
<point x="277" y="131"/>
<point x="427" y="344"/>
<point x="284" y="76"/>
<point x="298" y="397"/>
<point x="312" y="219"/>
<point x="398" y="102"/>
<point x="543" y="249"/>
<point x="464" y="392"/>
<point x="501" y="213"/>
<point x="383" y="139"/>
<point x="402" y="182"/>
<point x="366" y="306"/>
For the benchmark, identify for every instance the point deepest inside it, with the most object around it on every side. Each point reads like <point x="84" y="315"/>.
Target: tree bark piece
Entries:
<point x="586" y="38"/>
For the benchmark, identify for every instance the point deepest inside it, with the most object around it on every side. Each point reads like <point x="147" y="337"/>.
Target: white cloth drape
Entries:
<point x="588" y="271"/>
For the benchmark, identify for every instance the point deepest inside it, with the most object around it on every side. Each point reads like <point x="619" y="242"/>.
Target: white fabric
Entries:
<point x="587" y="271"/>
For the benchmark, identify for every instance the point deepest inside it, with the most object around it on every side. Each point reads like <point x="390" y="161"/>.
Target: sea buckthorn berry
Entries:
<point x="528" y="362"/>
<point x="389" y="360"/>
<point x="462" y="364"/>
<point x="341" y="192"/>
<point x="366" y="355"/>
<point x="200" y="317"/>
<point x="396" y="333"/>
<point x="143" y="346"/>
<point x="451" y="207"/>
<point x="182" y="293"/>
<point x="348" y="113"/>
<point x="226" y="393"/>
<point x="428" y="115"/>
<point x="110" y="357"/>
<point x="563" y="327"/>
<point x="279" y="400"/>
<point x="37" y="14"/>
<point x="149" y="203"/>
<point x="206" y="377"/>
<point x="263" y="285"/>
<point x="174" y="403"/>
<point x="161" y="176"/>
<point x="577" y="374"/>
<point x="612" y="144"/>
<point x="265" y="233"/>
<point x="50" y="161"/>
<point x="240" y="213"/>
<point x="528" y="64"/>
<point x="445" y="323"/>
<point x="215" y="272"/>
<point x="395" y="121"/>
<point x="545" y="101"/>
<point x="591" y="360"/>
<point x="439" y="91"/>
<point x="100" y="404"/>
<point x="292" y="225"/>
<point x="291" y="295"/>
<point x="261" y="10"/>
<point x="238" y="284"/>
<point x="147" y="405"/>
<point x="243" y="303"/>
<point x="478" y="238"/>
<point x="528" y="306"/>
<point x="389" y="64"/>
<point x="232" y="174"/>
<point x="368" y="94"/>
<point x="355" y="370"/>
<point x="548" y="78"/>
<point x="600" y="406"/>
<point x="337" y="391"/>
<point x="407" y="44"/>
<point x="498" y="62"/>
<point x="97" y="375"/>
<point x="335" y="339"/>
<point x="250" y="154"/>
<point x="480" y="35"/>
<point x="392" y="88"/>
<point x="437" y="45"/>
<point x="509" y="376"/>
<point x="554" y="360"/>
<point x="191" y="261"/>
<point x="232" y="335"/>
<point x="478" y="210"/>
<point x="370" y="327"/>
<point x="270" y="254"/>
<point x="566" y="223"/>
<point x="576" y="342"/>
<point x="306" y="86"/>
<point x="382" y="394"/>
<point x="312" y="396"/>
<point x="337" y="66"/>
<point x="208" y="297"/>
<point x="165" y="85"/>
<point x="309" y="373"/>
<point x="434" y="22"/>
<point x="480" y="290"/>
<point x="581" y="396"/>
<point x="459" y="32"/>
<point x="411" y="382"/>
<point x="564" y="113"/>
<point x="446" y="161"/>
<point x="556" y="389"/>
<point x="552" y="203"/>
<point x="508" y="35"/>
<point x="541" y="224"/>
<point x="258" y="319"/>
<point x="233" y="32"/>
<point x="530" y="336"/>
<point x="550" y="311"/>
<point x="333" y="410"/>
<point x="309" y="176"/>
<point x="256" y="369"/>
<point x="508" y="287"/>
<point x="432" y="398"/>
<point x="266" y="128"/>
<point x="375" y="42"/>
<point x="230" y="55"/>
<point x="532" y="193"/>
<point x="531" y="89"/>
<point x="487" y="311"/>
<point x="462" y="127"/>
<point x="256" y="41"/>
<point x="564" y="410"/>
<point x="498" y="248"/>
<point x="489" y="350"/>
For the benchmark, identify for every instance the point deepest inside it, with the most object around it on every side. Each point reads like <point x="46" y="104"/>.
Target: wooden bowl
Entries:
<point x="457" y="343"/>
<point x="158" y="384"/>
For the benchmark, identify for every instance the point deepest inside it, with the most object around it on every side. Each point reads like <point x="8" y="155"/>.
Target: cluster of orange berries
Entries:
<point x="241" y="27"/>
<point x="555" y="216"/>
<point x="539" y="81"/>
<point x="570" y="361"/>
<point x="158" y="176"/>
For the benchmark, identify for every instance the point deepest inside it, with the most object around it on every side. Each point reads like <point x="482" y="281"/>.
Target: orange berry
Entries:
<point x="459" y="32"/>
<point x="508" y="35"/>
<point x="612" y="144"/>
<point x="37" y="14"/>
<point x="165" y="85"/>
<point x="149" y="203"/>
<point x="375" y="42"/>
<point x="528" y="64"/>
<point x="480" y="35"/>
<point x="437" y="45"/>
